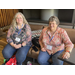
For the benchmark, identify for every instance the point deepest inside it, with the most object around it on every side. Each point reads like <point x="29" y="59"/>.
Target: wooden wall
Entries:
<point x="6" y="16"/>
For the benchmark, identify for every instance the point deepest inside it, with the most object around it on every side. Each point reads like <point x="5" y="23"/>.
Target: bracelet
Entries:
<point x="68" y="51"/>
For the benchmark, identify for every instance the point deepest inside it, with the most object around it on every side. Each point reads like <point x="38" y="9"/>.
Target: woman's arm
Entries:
<point x="66" y="40"/>
<point x="40" y="40"/>
<point x="41" y="43"/>
<point x="12" y="44"/>
<point x="68" y="45"/>
<point x="28" y="36"/>
<point x="9" y="40"/>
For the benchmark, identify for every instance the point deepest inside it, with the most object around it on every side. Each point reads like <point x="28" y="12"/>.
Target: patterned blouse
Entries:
<point x="24" y="35"/>
<point x="59" y="41"/>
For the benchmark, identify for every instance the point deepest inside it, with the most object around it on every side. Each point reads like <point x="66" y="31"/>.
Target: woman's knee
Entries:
<point x="21" y="54"/>
<point x="8" y="51"/>
<point x="6" y="54"/>
<point x="43" y="58"/>
<point x="39" y="60"/>
<point x="55" y="59"/>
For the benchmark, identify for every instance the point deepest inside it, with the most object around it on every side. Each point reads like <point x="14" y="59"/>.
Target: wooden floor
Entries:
<point x="1" y="56"/>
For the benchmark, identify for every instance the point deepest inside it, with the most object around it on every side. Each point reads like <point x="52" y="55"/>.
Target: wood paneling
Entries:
<point x="6" y="16"/>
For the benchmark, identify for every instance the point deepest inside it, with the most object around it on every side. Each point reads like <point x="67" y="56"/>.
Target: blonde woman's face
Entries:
<point x="19" y="19"/>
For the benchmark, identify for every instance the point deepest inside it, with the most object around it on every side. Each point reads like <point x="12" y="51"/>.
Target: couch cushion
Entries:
<point x="36" y="27"/>
<point x="71" y="34"/>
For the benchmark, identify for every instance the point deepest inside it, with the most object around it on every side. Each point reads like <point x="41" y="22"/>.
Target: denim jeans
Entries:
<point x="21" y="54"/>
<point x="43" y="58"/>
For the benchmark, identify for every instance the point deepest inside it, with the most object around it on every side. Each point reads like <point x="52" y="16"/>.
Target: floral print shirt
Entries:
<point x="24" y="35"/>
<point x="59" y="41"/>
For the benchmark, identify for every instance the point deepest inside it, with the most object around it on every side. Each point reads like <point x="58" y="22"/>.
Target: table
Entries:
<point x="70" y="60"/>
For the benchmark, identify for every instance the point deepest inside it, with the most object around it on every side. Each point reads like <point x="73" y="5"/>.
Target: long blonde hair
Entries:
<point x="14" y="23"/>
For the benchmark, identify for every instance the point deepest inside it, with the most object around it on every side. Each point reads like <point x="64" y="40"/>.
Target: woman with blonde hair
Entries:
<point x="18" y="38"/>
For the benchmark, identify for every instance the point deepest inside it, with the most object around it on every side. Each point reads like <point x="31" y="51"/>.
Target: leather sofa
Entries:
<point x="71" y="32"/>
<point x="34" y="54"/>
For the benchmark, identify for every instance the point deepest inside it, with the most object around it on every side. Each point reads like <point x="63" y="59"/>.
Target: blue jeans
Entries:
<point x="21" y="54"/>
<point x="43" y="58"/>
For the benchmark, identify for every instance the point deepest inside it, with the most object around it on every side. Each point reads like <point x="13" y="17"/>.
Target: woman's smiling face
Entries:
<point x="53" y="26"/>
<point x="19" y="19"/>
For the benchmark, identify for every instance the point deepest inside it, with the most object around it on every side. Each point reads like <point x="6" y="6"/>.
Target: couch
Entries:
<point x="34" y="54"/>
<point x="70" y="32"/>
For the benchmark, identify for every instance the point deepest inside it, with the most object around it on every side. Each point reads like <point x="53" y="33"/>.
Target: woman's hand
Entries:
<point x="43" y="49"/>
<point x="49" y="52"/>
<point x="24" y="43"/>
<point x="66" y="55"/>
<point x="17" y="46"/>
